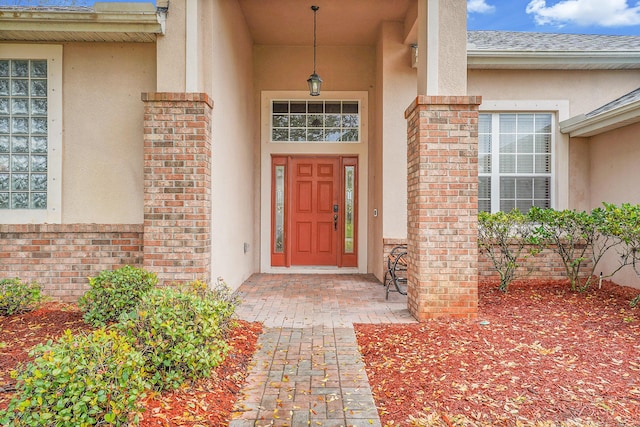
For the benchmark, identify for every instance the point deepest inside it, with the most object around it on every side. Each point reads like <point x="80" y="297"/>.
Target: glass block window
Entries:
<point x="514" y="161"/>
<point x="23" y="134"/>
<point x="315" y="121"/>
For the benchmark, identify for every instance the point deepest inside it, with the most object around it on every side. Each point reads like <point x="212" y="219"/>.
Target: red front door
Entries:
<point x="314" y="214"/>
<point x="314" y="211"/>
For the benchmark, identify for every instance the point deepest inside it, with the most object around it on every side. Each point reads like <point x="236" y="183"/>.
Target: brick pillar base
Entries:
<point x="442" y="197"/>
<point x="177" y="186"/>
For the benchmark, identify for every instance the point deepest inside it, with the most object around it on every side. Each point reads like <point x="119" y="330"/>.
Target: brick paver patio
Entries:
<point x="308" y="370"/>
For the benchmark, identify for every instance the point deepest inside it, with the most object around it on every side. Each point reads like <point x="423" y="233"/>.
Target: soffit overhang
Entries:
<point x="519" y="60"/>
<point x="339" y="22"/>
<point x="105" y="22"/>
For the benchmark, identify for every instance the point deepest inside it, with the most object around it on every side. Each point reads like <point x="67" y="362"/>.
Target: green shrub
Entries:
<point x="115" y="292"/>
<point x="572" y="235"/>
<point x="624" y="225"/>
<point x="18" y="297"/>
<point x="180" y="334"/>
<point x="578" y="237"/>
<point x="506" y="238"/>
<point x="219" y="292"/>
<point x="81" y="380"/>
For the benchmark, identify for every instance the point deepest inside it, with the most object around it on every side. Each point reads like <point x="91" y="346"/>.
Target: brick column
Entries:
<point x="177" y="186"/>
<point x="442" y="206"/>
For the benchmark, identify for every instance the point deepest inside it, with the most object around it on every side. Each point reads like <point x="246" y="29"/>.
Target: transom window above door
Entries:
<point x="315" y="121"/>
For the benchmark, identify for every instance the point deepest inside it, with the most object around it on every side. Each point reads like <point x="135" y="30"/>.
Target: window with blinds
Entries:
<point x="514" y="161"/>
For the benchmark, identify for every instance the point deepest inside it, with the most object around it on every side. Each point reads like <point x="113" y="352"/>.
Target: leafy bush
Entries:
<point x="18" y="297"/>
<point x="179" y="332"/>
<point x="570" y="234"/>
<point x="578" y="237"/>
<point x="505" y="238"/>
<point x="81" y="380"/>
<point x="220" y="292"/>
<point x="115" y="292"/>
<point x="624" y="224"/>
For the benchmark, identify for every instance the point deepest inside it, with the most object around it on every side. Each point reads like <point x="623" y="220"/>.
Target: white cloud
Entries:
<point x="479" y="6"/>
<point x="605" y="13"/>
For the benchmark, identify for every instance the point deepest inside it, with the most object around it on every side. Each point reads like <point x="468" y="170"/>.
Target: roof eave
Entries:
<point x="139" y="22"/>
<point x="558" y="60"/>
<point x="584" y="126"/>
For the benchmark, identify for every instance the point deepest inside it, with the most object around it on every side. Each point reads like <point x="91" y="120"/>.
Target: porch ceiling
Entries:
<point x="340" y="22"/>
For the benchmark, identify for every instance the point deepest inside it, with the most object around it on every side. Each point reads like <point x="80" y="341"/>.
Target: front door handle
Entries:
<point x="335" y="222"/>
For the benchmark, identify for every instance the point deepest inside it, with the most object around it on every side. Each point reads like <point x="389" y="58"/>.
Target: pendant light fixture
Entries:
<point x="314" y="80"/>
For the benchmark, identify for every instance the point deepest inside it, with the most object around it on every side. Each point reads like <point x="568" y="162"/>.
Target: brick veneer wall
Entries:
<point x="177" y="185"/>
<point x="62" y="257"/>
<point x="175" y="239"/>
<point x="442" y="215"/>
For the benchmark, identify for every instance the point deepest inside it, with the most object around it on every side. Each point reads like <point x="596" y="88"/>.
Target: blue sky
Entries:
<point x="620" y="17"/>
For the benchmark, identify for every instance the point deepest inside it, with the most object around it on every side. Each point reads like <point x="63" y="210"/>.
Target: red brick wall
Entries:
<point x="177" y="186"/>
<point x="175" y="239"/>
<point x="62" y="257"/>
<point x="442" y="190"/>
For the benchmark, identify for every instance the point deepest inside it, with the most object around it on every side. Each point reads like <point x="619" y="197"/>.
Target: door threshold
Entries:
<point x="303" y="269"/>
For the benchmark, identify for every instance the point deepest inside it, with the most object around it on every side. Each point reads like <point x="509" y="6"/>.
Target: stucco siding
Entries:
<point x="584" y="89"/>
<point x="288" y="67"/>
<point x="234" y="145"/>
<point x="398" y="89"/>
<point x="579" y="179"/>
<point x="615" y="175"/>
<point x="103" y="134"/>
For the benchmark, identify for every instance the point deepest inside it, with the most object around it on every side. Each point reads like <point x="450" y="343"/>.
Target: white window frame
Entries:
<point x="559" y="110"/>
<point x="53" y="55"/>
<point x="359" y="128"/>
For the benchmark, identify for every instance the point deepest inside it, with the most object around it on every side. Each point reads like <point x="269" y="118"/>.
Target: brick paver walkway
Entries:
<point x="308" y="370"/>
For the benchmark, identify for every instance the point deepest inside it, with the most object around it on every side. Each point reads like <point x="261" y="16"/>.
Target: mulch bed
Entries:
<point x="547" y="356"/>
<point x="20" y="332"/>
<point x="203" y="403"/>
<point x="207" y="402"/>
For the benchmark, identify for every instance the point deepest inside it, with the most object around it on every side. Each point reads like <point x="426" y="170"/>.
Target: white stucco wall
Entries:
<point x="171" y="71"/>
<point x="614" y="178"/>
<point x="579" y="90"/>
<point x="397" y="81"/>
<point x="584" y="89"/>
<point x="234" y="146"/>
<point x="580" y="177"/>
<point x="103" y="136"/>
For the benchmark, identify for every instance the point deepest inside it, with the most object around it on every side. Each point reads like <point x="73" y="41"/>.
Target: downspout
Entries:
<point x="162" y="9"/>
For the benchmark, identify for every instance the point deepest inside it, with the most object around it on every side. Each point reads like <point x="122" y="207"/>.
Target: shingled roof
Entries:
<point x="549" y="42"/>
<point x="618" y="113"/>
<point x="519" y="50"/>
<point x="629" y="98"/>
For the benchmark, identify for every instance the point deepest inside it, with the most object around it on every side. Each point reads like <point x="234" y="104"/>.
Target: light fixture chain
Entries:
<point x="314" y="80"/>
<point x="315" y="9"/>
